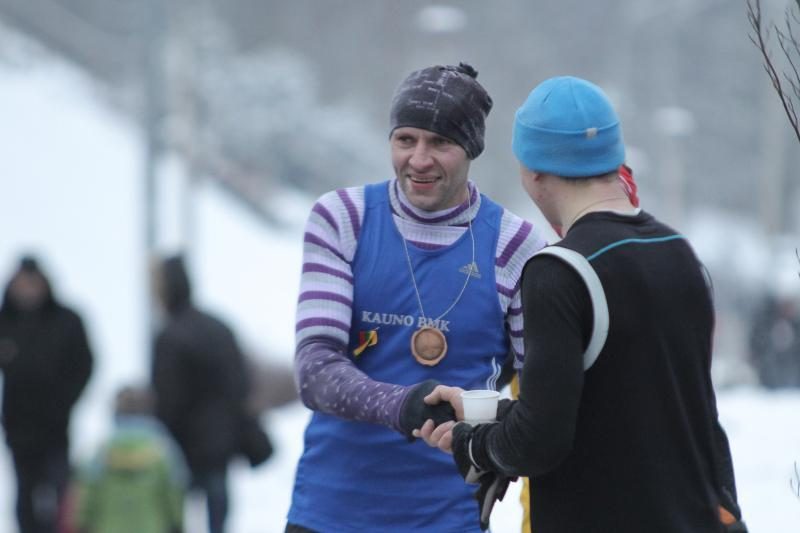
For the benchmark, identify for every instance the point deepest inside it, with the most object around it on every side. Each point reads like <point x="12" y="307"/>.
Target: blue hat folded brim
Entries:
<point x="570" y="154"/>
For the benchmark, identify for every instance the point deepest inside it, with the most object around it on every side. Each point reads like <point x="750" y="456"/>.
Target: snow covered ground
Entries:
<point x="762" y="427"/>
<point x="70" y="189"/>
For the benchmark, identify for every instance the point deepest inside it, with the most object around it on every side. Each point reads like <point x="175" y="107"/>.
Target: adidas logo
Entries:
<point x="471" y="269"/>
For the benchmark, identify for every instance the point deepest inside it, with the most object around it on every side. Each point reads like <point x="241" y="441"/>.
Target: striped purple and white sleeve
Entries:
<point x="517" y="243"/>
<point x="327" y="380"/>
<point x="324" y="306"/>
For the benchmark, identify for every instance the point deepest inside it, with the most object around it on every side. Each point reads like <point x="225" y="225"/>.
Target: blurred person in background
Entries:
<point x="775" y="341"/>
<point x="136" y="481"/>
<point x="405" y="283"/>
<point x="46" y="363"/>
<point x="616" y="423"/>
<point x="201" y="390"/>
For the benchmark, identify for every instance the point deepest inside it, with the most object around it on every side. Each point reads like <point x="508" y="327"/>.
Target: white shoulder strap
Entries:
<point x="597" y="295"/>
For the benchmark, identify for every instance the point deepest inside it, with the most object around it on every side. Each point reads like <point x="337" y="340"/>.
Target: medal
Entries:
<point x="428" y="345"/>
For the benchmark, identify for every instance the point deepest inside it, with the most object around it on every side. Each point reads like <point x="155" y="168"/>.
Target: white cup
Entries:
<point x="480" y="406"/>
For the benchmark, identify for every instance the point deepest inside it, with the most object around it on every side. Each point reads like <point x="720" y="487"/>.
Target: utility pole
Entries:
<point x="771" y="189"/>
<point x="153" y="93"/>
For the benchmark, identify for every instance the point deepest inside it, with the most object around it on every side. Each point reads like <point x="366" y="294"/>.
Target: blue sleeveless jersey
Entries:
<point x="356" y="476"/>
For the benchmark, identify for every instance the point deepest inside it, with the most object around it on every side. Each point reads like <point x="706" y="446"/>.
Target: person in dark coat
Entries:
<point x="775" y="342"/>
<point x="46" y="362"/>
<point x="198" y="376"/>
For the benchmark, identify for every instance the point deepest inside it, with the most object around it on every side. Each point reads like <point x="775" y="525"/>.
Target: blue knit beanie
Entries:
<point x="568" y="127"/>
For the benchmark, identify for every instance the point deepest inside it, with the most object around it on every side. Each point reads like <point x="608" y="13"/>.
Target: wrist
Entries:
<point x="463" y="455"/>
<point x="503" y="408"/>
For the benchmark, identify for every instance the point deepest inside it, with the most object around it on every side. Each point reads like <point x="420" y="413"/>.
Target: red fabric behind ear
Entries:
<point x="628" y="184"/>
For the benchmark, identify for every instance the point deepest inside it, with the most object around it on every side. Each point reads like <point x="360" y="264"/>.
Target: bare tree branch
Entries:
<point x="790" y="49"/>
<point x="796" y="253"/>
<point x="788" y="42"/>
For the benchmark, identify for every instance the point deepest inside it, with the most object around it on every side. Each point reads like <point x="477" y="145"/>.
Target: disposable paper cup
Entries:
<point x="480" y="406"/>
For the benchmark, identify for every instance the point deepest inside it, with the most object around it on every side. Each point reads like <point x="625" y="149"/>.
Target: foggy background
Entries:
<point x="259" y="97"/>
<point x="236" y="114"/>
<point x="257" y="94"/>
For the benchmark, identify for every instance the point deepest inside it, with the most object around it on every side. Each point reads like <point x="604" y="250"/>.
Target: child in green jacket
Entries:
<point x="137" y="480"/>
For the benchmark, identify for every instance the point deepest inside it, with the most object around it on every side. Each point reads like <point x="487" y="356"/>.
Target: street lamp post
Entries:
<point x="155" y="25"/>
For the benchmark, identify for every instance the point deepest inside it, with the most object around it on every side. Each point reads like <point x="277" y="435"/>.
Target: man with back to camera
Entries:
<point x="405" y="283"/>
<point x="616" y="423"/>
<point x="199" y="379"/>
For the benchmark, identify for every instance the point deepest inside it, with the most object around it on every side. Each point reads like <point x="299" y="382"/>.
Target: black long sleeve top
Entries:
<point x="633" y="443"/>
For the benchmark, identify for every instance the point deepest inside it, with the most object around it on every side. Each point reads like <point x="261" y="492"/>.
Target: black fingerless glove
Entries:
<point x="491" y="485"/>
<point x="415" y="411"/>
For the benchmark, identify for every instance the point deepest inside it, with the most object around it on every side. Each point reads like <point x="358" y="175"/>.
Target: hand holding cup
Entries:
<point x="479" y="406"/>
<point x="474" y="407"/>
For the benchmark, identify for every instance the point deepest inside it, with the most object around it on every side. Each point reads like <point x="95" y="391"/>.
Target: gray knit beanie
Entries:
<point x="447" y="100"/>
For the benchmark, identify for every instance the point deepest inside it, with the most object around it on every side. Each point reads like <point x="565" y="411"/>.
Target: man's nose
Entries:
<point x="421" y="158"/>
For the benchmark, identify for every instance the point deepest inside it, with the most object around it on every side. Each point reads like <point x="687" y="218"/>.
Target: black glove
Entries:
<point x="492" y="489"/>
<point x="415" y="411"/>
<point x="492" y="485"/>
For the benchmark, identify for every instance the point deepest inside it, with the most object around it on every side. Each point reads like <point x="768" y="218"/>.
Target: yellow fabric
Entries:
<point x="524" y="497"/>
<point x="370" y="339"/>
